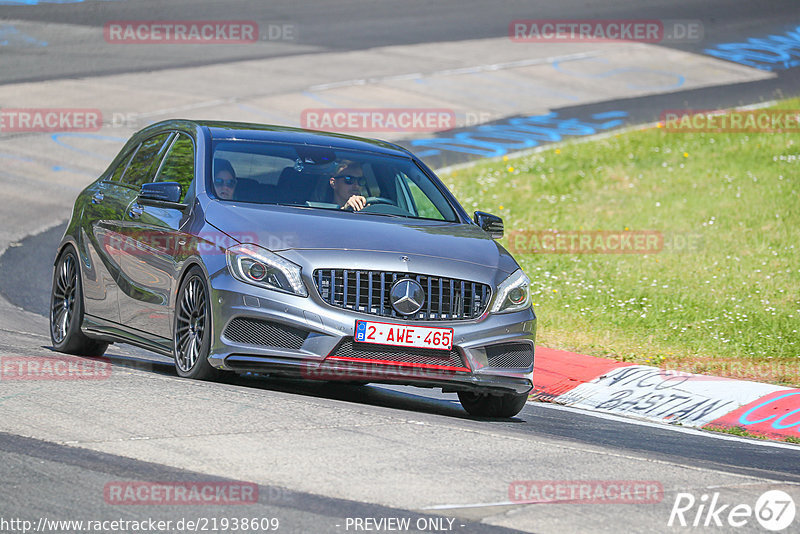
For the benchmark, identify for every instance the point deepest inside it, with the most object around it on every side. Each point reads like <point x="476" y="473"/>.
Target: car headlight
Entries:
<point x="260" y="267"/>
<point x="513" y="294"/>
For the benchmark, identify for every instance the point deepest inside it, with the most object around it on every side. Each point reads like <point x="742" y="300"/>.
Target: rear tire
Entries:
<point x="66" y="309"/>
<point x="485" y="405"/>
<point x="192" y="331"/>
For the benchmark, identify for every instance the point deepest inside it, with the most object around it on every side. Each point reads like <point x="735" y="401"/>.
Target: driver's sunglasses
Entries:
<point x="226" y="183"/>
<point x="350" y="180"/>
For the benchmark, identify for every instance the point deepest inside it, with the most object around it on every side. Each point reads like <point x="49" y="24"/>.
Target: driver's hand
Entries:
<point x="355" y="203"/>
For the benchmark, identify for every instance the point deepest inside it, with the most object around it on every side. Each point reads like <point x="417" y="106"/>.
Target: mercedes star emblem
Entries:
<point x="407" y="296"/>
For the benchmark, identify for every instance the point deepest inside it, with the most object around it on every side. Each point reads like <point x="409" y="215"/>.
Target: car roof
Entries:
<point x="285" y="134"/>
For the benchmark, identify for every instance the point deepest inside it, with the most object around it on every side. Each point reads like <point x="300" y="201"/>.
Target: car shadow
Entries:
<point x="374" y="394"/>
<point x="383" y="395"/>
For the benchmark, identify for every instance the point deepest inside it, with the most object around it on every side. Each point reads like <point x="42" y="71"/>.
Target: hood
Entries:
<point x="282" y="228"/>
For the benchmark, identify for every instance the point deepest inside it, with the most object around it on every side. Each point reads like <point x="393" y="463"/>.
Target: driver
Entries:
<point x="347" y="185"/>
<point x="224" y="179"/>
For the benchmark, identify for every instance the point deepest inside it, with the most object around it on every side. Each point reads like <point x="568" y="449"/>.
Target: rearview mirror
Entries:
<point x="490" y="223"/>
<point x="314" y="155"/>
<point x="160" y="193"/>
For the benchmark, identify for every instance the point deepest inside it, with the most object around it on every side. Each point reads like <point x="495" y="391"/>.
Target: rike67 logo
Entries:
<point x="774" y="510"/>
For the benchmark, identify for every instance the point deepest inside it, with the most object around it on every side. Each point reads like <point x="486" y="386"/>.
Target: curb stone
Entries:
<point x="672" y="397"/>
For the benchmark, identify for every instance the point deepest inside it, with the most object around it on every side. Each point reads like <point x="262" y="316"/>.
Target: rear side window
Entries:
<point x="141" y="168"/>
<point x="178" y="165"/>
<point x="117" y="174"/>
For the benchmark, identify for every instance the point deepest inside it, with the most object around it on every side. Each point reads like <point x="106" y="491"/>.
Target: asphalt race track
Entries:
<point x="348" y="25"/>
<point x="324" y="455"/>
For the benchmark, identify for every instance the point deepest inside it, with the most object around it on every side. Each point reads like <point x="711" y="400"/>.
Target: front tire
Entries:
<point x="192" y="332"/>
<point x="485" y="405"/>
<point x="66" y="309"/>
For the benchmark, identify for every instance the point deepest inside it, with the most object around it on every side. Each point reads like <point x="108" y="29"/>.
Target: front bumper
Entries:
<point x="259" y="330"/>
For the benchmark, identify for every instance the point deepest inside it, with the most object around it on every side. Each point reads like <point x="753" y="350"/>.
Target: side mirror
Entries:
<point x="161" y="193"/>
<point x="490" y="223"/>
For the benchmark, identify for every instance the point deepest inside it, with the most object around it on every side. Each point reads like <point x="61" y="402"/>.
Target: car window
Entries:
<point x="117" y="174"/>
<point x="142" y="167"/>
<point x="264" y="168"/>
<point x="323" y="177"/>
<point x="421" y="203"/>
<point x="178" y="164"/>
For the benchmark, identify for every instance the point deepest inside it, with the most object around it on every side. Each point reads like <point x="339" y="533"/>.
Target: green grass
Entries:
<point x="735" y="431"/>
<point x="741" y="431"/>
<point x="728" y="304"/>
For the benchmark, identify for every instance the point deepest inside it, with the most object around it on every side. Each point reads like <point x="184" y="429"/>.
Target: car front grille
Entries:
<point x="348" y="349"/>
<point x="510" y="355"/>
<point x="264" y="333"/>
<point x="446" y="299"/>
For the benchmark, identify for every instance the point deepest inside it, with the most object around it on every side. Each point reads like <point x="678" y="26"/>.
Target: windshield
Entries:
<point x="325" y="178"/>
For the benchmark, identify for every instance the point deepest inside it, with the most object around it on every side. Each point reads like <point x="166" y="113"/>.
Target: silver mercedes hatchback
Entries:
<point x="248" y="248"/>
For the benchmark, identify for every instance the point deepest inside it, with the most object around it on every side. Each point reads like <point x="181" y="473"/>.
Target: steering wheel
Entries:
<point x="379" y="200"/>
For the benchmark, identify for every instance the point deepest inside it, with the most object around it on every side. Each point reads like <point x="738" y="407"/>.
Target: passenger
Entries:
<point x="348" y="184"/>
<point x="224" y="179"/>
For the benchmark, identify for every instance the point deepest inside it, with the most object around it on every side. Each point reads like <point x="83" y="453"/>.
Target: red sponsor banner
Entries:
<point x="586" y="30"/>
<point x="727" y="121"/>
<point x="181" y="32"/>
<point x="379" y="119"/>
<point x="180" y="493"/>
<point x="585" y="242"/>
<point x="54" y="368"/>
<point x="586" y="491"/>
<point x="18" y="120"/>
<point x="776" y="415"/>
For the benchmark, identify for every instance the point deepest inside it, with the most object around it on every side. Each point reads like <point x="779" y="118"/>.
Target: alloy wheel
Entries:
<point x="63" y="307"/>
<point x="190" y="327"/>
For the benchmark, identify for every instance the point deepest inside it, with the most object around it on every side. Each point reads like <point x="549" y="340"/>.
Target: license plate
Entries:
<point x="400" y="335"/>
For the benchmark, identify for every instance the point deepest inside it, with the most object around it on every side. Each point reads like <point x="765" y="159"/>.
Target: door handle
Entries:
<point x="97" y="198"/>
<point x="135" y="211"/>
